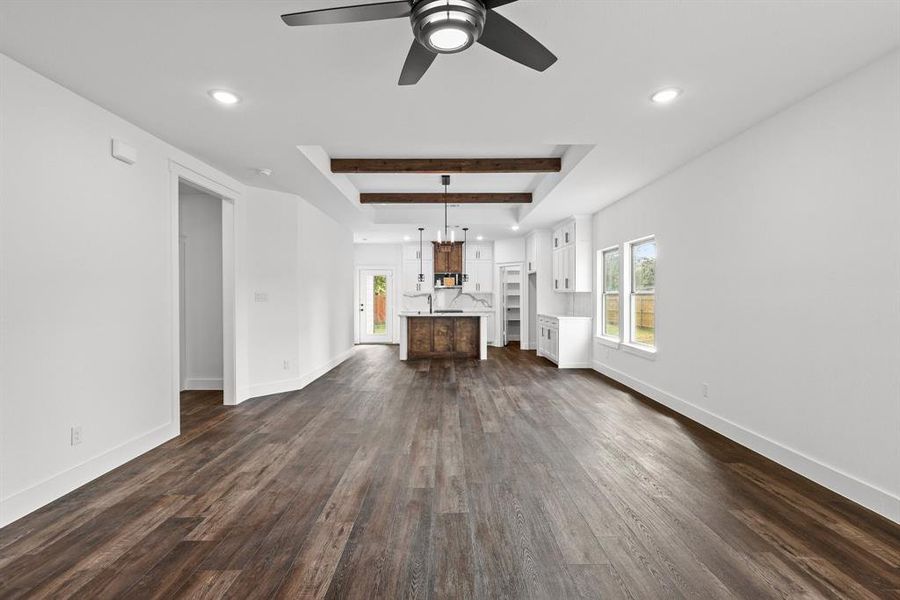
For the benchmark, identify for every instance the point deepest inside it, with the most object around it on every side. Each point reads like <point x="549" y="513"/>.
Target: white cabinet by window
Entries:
<point x="411" y="283"/>
<point x="572" y="257"/>
<point x="479" y="251"/>
<point x="565" y="341"/>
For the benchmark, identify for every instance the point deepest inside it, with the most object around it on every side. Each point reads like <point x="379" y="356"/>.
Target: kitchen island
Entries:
<point x="443" y="335"/>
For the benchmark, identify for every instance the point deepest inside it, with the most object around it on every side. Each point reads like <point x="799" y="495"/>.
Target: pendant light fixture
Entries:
<point x="445" y="181"/>
<point x="421" y="273"/>
<point x="445" y="236"/>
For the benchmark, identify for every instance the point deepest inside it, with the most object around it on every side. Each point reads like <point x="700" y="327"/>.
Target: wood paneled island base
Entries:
<point x="442" y="336"/>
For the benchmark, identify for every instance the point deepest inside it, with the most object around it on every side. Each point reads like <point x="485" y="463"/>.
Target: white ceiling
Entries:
<point x="334" y="87"/>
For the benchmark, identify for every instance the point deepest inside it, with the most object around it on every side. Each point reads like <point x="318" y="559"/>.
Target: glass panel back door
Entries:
<point x="375" y="308"/>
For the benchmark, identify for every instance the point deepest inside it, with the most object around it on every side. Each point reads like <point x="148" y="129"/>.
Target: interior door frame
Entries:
<point x="391" y="308"/>
<point x="500" y="297"/>
<point x="230" y="197"/>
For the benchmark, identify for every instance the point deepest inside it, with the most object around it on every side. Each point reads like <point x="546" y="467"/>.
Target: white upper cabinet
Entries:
<point x="475" y="251"/>
<point x="480" y="268"/>
<point x="572" y="257"/>
<point x="481" y="277"/>
<point x="411" y="251"/>
<point x="411" y="283"/>
<point x="531" y="253"/>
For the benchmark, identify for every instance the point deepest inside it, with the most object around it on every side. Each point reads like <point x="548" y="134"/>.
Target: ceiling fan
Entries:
<point x="441" y="27"/>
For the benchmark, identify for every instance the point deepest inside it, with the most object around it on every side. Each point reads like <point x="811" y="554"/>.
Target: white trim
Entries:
<point x="647" y="352"/>
<point x="292" y="385"/>
<point x="601" y="292"/>
<point x="230" y="336"/>
<point x="608" y="341"/>
<point x="202" y="383"/>
<point x="626" y="317"/>
<point x="56" y="486"/>
<point x="872" y="497"/>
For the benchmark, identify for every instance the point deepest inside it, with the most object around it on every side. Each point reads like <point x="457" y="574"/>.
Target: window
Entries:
<point x="642" y="314"/>
<point x="610" y="275"/>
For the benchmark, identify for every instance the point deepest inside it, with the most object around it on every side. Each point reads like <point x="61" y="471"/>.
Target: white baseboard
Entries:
<point x="872" y="497"/>
<point x="298" y="383"/>
<point x="28" y="500"/>
<point x="202" y="383"/>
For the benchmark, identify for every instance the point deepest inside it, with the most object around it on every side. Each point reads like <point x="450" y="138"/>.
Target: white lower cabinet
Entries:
<point x="565" y="341"/>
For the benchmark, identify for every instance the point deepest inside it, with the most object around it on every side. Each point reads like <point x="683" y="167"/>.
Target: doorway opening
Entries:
<point x="376" y="306"/>
<point x="200" y="291"/>
<point x="214" y="368"/>
<point x="511" y="303"/>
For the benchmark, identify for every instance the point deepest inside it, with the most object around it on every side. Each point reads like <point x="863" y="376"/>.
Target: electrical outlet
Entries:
<point x="75" y="435"/>
<point x="261" y="297"/>
<point x="706" y="390"/>
<point x="287" y="365"/>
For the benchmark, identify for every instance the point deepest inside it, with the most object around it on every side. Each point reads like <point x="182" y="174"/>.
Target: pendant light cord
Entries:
<point x="446" y="229"/>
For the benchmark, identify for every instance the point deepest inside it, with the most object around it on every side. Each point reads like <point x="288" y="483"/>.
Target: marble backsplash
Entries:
<point x="446" y="299"/>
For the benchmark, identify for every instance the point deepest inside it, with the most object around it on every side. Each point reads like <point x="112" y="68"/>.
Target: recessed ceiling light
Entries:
<point x="406" y="238"/>
<point x="224" y="97"/>
<point x="515" y="227"/>
<point x="479" y="238"/>
<point x="665" y="95"/>
<point x="264" y="172"/>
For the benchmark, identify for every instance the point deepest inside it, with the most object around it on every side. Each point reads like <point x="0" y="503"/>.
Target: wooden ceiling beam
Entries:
<point x="446" y="165"/>
<point x="439" y="198"/>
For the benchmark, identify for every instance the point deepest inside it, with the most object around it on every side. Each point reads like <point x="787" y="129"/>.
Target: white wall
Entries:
<point x="326" y="291"/>
<point x="88" y="303"/>
<point x="509" y="251"/>
<point x="299" y="264"/>
<point x="200" y="229"/>
<point x="779" y="285"/>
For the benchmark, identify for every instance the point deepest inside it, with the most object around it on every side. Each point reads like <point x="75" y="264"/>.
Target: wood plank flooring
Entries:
<point x="449" y="479"/>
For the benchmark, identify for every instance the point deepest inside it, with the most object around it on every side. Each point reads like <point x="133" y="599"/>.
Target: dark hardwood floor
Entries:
<point x="449" y="479"/>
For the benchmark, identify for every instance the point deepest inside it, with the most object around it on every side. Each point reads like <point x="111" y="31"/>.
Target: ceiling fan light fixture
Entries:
<point x="449" y="39"/>
<point x="448" y="26"/>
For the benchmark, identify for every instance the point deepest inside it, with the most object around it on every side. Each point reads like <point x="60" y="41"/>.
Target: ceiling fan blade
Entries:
<point x="417" y="62"/>
<point x="496" y="3"/>
<point x="505" y="37"/>
<point x="350" y="14"/>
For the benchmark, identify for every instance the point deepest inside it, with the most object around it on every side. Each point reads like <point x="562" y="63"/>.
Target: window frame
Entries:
<point x="627" y="316"/>
<point x="613" y="340"/>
